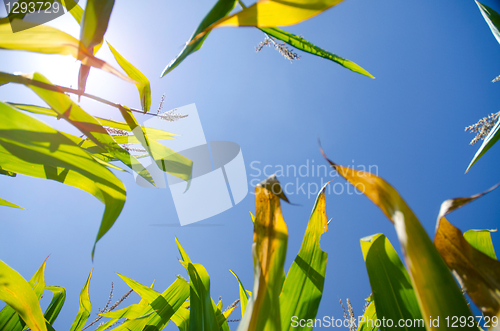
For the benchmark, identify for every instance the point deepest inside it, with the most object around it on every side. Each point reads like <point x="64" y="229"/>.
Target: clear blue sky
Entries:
<point x="433" y="63"/>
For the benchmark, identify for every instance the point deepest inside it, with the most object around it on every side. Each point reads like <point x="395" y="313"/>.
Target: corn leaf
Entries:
<point x="370" y="314"/>
<point x="161" y="307"/>
<point x="202" y="308"/>
<point x="181" y="317"/>
<point x="166" y="159"/>
<point x="390" y="283"/>
<point x="9" y="319"/>
<point x="437" y="293"/>
<point x="95" y="22"/>
<point x="9" y="204"/>
<point x="71" y="112"/>
<point x="152" y="133"/>
<point x="306" y="46"/>
<point x="56" y="304"/>
<point x="492" y="18"/>
<point x="85" y="306"/>
<point x="93" y="27"/>
<point x="29" y="147"/>
<point x="49" y="40"/>
<point x="18" y="294"/>
<point x="481" y="240"/>
<point x="142" y="84"/>
<point x="478" y="273"/>
<point x="488" y="142"/>
<point x="243" y="295"/>
<point x="304" y="282"/>
<point x="272" y="13"/>
<point x="221" y="9"/>
<point x="269" y="252"/>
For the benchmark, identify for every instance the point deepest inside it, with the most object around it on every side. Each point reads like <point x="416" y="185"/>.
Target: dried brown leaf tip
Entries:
<point x="280" y="47"/>
<point x="483" y="127"/>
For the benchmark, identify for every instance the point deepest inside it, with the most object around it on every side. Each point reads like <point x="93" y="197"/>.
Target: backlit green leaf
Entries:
<point x="481" y="240"/>
<point x="221" y="9"/>
<point x="85" y="307"/>
<point x="306" y="46"/>
<point x="304" y="282"/>
<point x="18" y="294"/>
<point x="391" y="285"/>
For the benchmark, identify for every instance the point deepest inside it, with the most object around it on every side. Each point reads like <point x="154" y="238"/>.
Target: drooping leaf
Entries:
<point x="9" y="204"/>
<point x="49" y="40"/>
<point x="478" y="273"/>
<point x="488" y="142"/>
<point x="435" y="287"/>
<point x="18" y="294"/>
<point x="95" y="22"/>
<point x="269" y="251"/>
<point x="369" y="314"/>
<point x="481" y="240"/>
<point x="306" y="46"/>
<point x="390" y="283"/>
<point x="272" y="13"/>
<point x="142" y="84"/>
<point x="85" y="307"/>
<point x="243" y="295"/>
<point x="93" y="27"/>
<point x="56" y="304"/>
<point x="304" y="282"/>
<point x="29" y="147"/>
<point x="221" y="9"/>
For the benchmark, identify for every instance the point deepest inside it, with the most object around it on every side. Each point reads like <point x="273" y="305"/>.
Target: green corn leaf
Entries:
<point x="481" y="240"/>
<point x="85" y="307"/>
<point x="74" y="114"/>
<point x="9" y="319"/>
<point x="306" y="46"/>
<point x="18" y="294"/>
<point x="95" y="22"/>
<point x="93" y="27"/>
<point x="142" y="84"/>
<point x="152" y="133"/>
<point x="56" y="304"/>
<point x="202" y="308"/>
<point x="221" y="9"/>
<point x="492" y="18"/>
<point x="488" y="142"/>
<point x="9" y="204"/>
<point x="29" y="147"/>
<point x="160" y="308"/>
<point x="166" y="159"/>
<point x="243" y="295"/>
<point x="437" y="292"/>
<point x="48" y="40"/>
<point x="391" y="284"/>
<point x="304" y="282"/>
<point x="181" y="317"/>
<point x="369" y="314"/>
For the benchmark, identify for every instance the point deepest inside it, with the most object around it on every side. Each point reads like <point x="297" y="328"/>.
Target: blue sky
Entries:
<point x="433" y="64"/>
